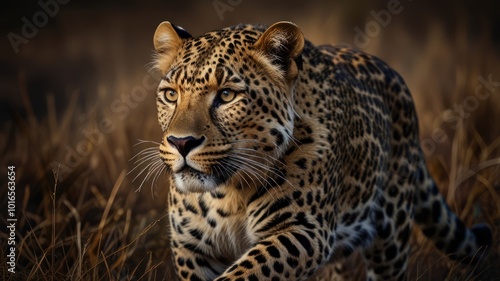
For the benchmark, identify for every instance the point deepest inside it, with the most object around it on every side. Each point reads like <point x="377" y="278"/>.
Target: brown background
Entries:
<point x="69" y="118"/>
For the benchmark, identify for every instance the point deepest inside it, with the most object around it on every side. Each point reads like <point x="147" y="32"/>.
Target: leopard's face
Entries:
<point x="225" y="105"/>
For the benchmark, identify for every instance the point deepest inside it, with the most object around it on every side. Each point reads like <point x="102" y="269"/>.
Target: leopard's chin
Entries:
<point x="191" y="180"/>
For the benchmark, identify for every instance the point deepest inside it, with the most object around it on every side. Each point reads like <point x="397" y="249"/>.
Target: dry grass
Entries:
<point x="71" y="225"/>
<point x="87" y="223"/>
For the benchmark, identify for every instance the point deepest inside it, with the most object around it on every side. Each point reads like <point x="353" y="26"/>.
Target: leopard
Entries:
<point x="283" y="156"/>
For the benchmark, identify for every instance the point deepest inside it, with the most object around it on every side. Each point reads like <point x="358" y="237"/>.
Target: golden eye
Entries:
<point x="170" y="95"/>
<point x="227" y="95"/>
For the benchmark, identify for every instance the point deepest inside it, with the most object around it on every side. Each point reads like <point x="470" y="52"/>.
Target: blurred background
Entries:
<point x="77" y="98"/>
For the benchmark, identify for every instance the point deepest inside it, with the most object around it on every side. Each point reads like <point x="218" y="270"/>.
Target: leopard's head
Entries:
<point x="225" y="103"/>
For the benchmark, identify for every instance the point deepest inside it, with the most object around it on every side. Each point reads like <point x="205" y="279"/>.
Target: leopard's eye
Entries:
<point x="169" y="95"/>
<point x="227" y="95"/>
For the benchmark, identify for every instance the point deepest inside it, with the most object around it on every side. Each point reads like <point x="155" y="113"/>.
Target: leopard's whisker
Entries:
<point x="158" y="171"/>
<point x="151" y="167"/>
<point x="265" y="174"/>
<point x="270" y="169"/>
<point x="148" y="142"/>
<point x="265" y="157"/>
<point x="146" y="157"/>
<point x="228" y="163"/>
<point x="260" y="175"/>
<point x="143" y="161"/>
<point x="243" y="170"/>
<point x="143" y="152"/>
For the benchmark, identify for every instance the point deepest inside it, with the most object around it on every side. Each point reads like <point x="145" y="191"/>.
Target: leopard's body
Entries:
<point x="284" y="155"/>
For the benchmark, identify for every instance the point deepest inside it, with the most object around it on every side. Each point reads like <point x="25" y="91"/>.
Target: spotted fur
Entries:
<point x="284" y="155"/>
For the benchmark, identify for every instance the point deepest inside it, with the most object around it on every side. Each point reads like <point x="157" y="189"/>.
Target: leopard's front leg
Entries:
<point x="289" y="255"/>
<point x="193" y="266"/>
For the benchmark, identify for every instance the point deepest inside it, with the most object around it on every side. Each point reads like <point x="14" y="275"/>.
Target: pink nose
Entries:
<point x="186" y="144"/>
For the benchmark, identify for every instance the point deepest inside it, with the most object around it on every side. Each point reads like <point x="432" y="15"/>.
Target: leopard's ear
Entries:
<point x="167" y="40"/>
<point x="283" y="43"/>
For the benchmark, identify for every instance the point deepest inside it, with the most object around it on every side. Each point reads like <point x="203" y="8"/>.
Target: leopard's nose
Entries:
<point x="185" y="144"/>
